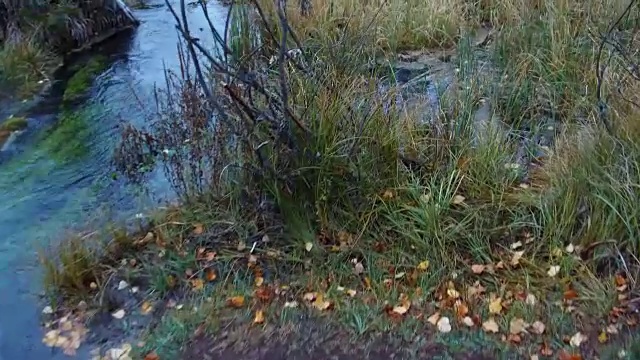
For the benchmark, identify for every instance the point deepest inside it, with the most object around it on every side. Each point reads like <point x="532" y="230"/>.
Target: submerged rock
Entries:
<point x="9" y="128"/>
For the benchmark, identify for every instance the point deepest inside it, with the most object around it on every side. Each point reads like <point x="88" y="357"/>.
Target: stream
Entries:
<point x="43" y="197"/>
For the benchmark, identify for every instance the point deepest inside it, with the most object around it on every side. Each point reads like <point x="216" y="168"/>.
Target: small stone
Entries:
<point x="47" y="310"/>
<point x="118" y="314"/>
<point x="122" y="285"/>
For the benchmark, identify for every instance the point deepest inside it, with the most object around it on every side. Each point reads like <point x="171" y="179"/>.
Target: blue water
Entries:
<point x="42" y="198"/>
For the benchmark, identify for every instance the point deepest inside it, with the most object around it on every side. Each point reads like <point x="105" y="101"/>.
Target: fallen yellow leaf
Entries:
<point x="603" y="337"/>
<point x="198" y="229"/>
<point x="423" y="265"/>
<point x="259" y="281"/>
<point x="453" y="293"/>
<point x="146" y="308"/>
<point x="308" y="246"/>
<point x="259" y="318"/>
<point x="320" y="303"/>
<point x="495" y="306"/>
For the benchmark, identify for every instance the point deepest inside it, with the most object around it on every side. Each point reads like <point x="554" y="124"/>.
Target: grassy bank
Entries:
<point x="36" y="37"/>
<point x="321" y="202"/>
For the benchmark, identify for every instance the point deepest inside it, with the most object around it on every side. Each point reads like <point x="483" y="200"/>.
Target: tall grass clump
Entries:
<point x="23" y="65"/>
<point x="282" y="139"/>
<point x="547" y="59"/>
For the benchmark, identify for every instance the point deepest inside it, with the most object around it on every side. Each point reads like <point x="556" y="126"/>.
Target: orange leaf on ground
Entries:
<point x="264" y="293"/>
<point x="567" y="356"/>
<point x="461" y="309"/>
<point x="236" y="302"/>
<point x="152" y="356"/>
<point x="545" y="349"/>
<point x="620" y="280"/>
<point x="211" y="275"/>
<point x="570" y="294"/>
<point x="514" y="338"/>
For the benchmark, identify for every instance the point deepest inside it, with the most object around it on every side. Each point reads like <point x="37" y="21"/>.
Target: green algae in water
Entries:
<point x="14" y="124"/>
<point x="81" y="80"/>
<point x="68" y="139"/>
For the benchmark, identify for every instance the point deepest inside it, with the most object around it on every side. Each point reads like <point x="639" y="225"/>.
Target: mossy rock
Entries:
<point x="14" y="124"/>
<point x="81" y="80"/>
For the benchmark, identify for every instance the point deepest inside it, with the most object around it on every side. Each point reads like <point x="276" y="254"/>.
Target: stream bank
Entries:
<point x="43" y="197"/>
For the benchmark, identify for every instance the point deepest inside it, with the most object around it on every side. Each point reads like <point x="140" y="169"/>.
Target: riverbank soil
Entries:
<point x="451" y="180"/>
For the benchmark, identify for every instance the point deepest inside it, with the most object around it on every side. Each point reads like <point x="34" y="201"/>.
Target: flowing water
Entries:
<point x="44" y="196"/>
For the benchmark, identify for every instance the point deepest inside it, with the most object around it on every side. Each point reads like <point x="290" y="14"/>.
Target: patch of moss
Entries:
<point x="67" y="140"/>
<point x="81" y="80"/>
<point x="14" y="124"/>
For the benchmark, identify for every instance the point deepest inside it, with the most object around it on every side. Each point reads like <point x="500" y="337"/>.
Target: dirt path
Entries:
<point x="312" y="341"/>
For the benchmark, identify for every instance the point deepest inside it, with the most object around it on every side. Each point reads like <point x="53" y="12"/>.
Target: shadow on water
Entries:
<point x="57" y="177"/>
